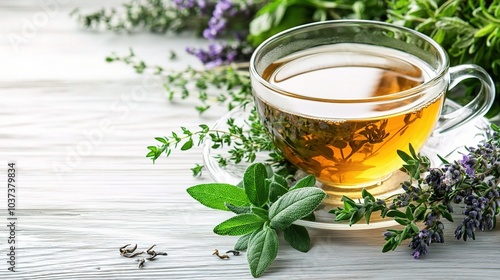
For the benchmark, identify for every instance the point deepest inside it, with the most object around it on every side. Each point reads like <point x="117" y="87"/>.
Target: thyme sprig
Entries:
<point x="244" y="143"/>
<point x="226" y="85"/>
<point x="153" y="15"/>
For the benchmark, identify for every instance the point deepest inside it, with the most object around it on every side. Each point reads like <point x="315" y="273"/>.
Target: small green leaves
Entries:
<point x="239" y="225"/>
<point x="355" y="211"/>
<point x="262" y="250"/>
<point x="298" y="238"/>
<point x="294" y="205"/>
<point x="254" y="183"/>
<point x="415" y="164"/>
<point x="216" y="195"/>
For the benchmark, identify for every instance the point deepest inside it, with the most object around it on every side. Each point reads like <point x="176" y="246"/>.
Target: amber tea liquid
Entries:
<point x="353" y="147"/>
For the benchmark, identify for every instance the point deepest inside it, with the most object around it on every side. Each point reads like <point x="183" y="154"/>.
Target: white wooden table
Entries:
<point x="77" y="129"/>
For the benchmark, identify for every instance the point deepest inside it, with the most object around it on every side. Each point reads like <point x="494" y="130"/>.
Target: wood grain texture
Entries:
<point x="77" y="209"/>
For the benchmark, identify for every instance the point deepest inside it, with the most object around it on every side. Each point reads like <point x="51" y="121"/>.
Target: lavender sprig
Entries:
<point x="218" y="54"/>
<point x="431" y="194"/>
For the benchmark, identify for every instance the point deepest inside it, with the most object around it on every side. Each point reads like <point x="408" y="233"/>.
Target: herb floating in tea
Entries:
<point x="264" y="205"/>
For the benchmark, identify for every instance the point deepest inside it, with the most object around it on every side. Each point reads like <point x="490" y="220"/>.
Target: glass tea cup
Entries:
<point x="339" y="98"/>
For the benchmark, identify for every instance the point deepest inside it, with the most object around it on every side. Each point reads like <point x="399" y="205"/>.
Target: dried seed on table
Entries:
<point x="235" y="253"/>
<point x="216" y="252"/>
<point x="152" y="256"/>
<point x="124" y="251"/>
<point x="150" y="251"/>
<point x="134" y="255"/>
<point x="141" y="262"/>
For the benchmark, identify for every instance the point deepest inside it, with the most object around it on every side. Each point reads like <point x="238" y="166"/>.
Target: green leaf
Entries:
<point x="294" y="205"/>
<point x="262" y="250"/>
<point x="444" y="212"/>
<point x="357" y="216"/>
<point x="216" y="195"/>
<point x="239" y="225"/>
<point x="188" y="145"/>
<point x="307" y="181"/>
<point x="367" y="195"/>
<point x="368" y="215"/>
<point x="298" y="238"/>
<point x="404" y="156"/>
<point x="277" y="187"/>
<point x="414" y="227"/>
<point x="486" y="30"/>
<point x="238" y="209"/>
<point x="390" y="245"/>
<point x="254" y="182"/>
<point x="419" y="213"/>
<point x="242" y="243"/>
<point x="403" y="222"/>
<point x="348" y="203"/>
<point x="404" y="234"/>
<point x="396" y="213"/>
<point x="161" y="140"/>
<point x="409" y="214"/>
<point x="443" y="160"/>
<point x="412" y="151"/>
<point x="263" y="213"/>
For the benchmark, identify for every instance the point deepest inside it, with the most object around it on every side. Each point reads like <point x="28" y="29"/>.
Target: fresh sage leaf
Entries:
<point x="238" y="209"/>
<point x="254" y="182"/>
<point x="278" y="186"/>
<point x="307" y="181"/>
<point x="298" y="238"/>
<point x="216" y="195"/>
<point x="262" y="250"/>
<point x="262" y="213"/>
<point x="294" y="205"/>
<point x="242" y="243"/>
<point x="239" y="225"/>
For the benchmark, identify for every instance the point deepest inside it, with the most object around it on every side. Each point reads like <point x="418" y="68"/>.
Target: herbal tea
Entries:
<point x="350" y="147"/>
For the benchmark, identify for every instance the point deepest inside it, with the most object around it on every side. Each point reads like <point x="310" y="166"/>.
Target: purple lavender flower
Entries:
<point x="221" y="54"/>
<point x="420" y="243"/>
<point x="218" y="22"/>
<point x="468" y="164"/>
<point x="478" y="215"/>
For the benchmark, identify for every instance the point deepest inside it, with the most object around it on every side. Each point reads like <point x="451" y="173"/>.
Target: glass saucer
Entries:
<point x="449" y="145"/>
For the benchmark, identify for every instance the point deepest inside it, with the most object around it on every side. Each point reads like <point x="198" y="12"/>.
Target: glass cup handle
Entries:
<point x="477" y="107"/>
